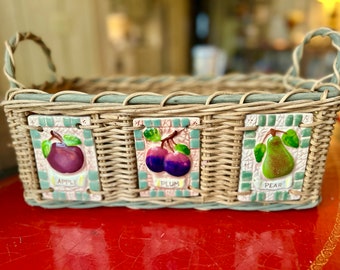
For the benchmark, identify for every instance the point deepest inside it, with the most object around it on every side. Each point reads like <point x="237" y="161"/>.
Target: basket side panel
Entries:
<point x="17" y="122"/>
<point x="116" y="156"/>
<point x="221" y="156"/>
<point x="324" y="120"/>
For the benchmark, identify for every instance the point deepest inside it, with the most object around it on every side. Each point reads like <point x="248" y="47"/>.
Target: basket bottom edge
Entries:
<point x="198" y="206"/>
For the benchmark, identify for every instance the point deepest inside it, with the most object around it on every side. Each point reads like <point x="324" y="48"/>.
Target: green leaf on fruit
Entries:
<point x="182" y="148"/>
<point x="152" y="134"/>
<point x="46" y="147"/>
<point x="290" y="138"/>
<point x="71" y="140"/>
<point x="259" y="151"/>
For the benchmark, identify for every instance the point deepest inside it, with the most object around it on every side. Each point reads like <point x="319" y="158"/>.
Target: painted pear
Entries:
<point x="278" y="161"/>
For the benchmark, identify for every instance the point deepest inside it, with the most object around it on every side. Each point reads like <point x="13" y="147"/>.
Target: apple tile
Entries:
<point x="60" y="139"/>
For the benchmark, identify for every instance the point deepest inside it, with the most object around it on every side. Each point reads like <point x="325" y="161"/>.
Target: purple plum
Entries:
<point x="155" y="158"/>
<point x="177" y="164"/>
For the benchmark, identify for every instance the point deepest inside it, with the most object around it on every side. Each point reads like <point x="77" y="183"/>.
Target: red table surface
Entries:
<point x="122" y="238"/>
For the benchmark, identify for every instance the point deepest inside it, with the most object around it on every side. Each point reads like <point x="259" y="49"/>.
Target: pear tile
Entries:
<point x="275" y="161"/>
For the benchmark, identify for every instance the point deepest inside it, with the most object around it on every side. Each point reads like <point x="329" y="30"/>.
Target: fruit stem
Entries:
<point x="56" y="135"/>
<point x="170" y="138"/>
<point x="272" y="132"/>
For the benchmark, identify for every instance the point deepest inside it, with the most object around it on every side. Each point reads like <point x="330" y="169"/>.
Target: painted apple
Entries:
<point x="64" y="155"/>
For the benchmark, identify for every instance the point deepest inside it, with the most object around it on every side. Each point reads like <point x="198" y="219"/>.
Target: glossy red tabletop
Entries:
<point x="121" y="238"/>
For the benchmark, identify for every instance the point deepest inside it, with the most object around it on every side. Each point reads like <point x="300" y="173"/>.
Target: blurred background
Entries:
<point x="91" y="38"/>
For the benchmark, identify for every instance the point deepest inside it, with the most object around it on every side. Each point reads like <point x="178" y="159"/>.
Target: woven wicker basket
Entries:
<point x="219" y="132"/>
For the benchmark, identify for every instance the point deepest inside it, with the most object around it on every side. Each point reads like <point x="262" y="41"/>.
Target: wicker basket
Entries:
<point x="245" y="142"/>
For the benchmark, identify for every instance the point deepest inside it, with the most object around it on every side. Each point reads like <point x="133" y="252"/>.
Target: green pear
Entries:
<point x="278" y="161"/>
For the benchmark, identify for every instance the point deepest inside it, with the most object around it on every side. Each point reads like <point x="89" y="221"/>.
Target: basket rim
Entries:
<point x="326" y="91"/>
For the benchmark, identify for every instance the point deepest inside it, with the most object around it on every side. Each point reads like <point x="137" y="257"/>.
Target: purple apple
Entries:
<point x="65" y="159"/>
<point x="64" y="155"/>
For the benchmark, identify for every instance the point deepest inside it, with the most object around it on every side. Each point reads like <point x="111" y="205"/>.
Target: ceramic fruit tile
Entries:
<point x="66" y="158"/>
<point x="168" y="154"/>
<point x="274" y="156"/>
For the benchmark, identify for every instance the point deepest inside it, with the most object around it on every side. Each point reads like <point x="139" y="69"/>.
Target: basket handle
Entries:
<point x="10" y="47"/>
<point x="294" y="70"/>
